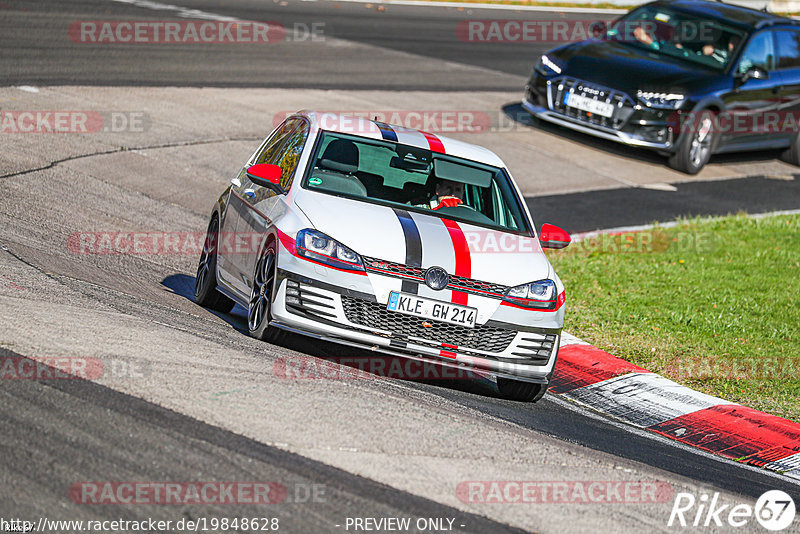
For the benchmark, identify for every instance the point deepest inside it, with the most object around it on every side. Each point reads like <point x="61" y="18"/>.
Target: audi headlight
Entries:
<point x="541" y="295"/>
<point x="547" y="66"/>
<point x="318" y="247"/>
<point x="653" y="99"/>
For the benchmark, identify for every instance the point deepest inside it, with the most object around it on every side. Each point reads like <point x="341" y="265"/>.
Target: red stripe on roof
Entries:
<point x="434" y="143"/>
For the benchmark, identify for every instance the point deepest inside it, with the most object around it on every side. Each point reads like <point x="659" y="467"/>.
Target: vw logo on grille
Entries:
<point x="437" y="278"/>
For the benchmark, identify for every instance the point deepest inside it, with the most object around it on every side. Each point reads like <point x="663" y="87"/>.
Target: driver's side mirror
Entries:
<point x="266" y="176"/>
<point x="753" y="73"/>
<point x="553" y="237"/>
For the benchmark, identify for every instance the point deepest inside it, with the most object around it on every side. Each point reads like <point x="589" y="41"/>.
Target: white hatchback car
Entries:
<point x="390" y="239"/>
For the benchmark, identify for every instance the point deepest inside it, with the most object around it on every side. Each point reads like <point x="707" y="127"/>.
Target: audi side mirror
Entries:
<point x="753" y="73"/>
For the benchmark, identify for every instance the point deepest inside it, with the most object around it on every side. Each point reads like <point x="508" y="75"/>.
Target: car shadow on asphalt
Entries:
<point x="361" y="364"/>
<point x="183" y="285"/>
<point x="520" y="117"/>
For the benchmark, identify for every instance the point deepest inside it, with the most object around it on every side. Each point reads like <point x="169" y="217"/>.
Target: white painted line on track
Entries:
<point x="185" y="12"/>
<point x="498" y="7"/>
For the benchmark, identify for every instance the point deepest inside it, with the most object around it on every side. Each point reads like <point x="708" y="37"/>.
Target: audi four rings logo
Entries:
<point x="437" y="278"/>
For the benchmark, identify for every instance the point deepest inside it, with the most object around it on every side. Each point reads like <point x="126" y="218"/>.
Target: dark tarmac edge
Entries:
<point x="613" y="208"/>
<point x="83" y="405"/>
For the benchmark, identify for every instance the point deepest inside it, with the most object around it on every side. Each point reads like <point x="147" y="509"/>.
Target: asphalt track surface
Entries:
<point x="55" y="433"/>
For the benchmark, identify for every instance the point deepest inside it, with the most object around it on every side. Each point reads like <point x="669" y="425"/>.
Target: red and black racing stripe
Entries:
<point x="386" y="131"/>
<point x="413" y="247"/>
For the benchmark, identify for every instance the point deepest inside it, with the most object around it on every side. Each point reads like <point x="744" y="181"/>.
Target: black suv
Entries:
<point x="687" y="78"/>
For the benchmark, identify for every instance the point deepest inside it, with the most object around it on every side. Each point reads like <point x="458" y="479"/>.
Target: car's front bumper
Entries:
<point x="337" y="306"/>
<point x="642" y="127"/>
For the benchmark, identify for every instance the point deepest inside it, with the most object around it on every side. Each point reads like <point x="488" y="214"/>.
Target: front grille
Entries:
<point x="376" y="316"/>
<point x="304" y="300"/>
<point x="536" y="347"/>
<point x="558" y="89"/>
<point x="391" y="268"/>
<point x="400" y="270"/>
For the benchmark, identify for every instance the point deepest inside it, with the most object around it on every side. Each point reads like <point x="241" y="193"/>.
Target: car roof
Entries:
<point x="733" y="15"/>
<point x="353" y="125"/>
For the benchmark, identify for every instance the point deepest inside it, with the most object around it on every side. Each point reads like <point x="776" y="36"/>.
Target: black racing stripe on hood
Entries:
<point x="413" y="247"/>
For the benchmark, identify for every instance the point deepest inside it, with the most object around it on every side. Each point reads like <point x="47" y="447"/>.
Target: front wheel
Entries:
<point x="792" y="154"/>
<point x="517" y="390"/>
<point x="260" y="304"/>
<point x="696" y="145"/>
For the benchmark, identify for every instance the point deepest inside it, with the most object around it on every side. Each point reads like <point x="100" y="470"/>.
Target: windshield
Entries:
<point x="416" y="179"/>
<point x="666" y="31"/>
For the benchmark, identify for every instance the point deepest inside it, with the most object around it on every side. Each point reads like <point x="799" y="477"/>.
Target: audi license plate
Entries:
<point x="432" y="309"/>
<point x="590" y="105"/>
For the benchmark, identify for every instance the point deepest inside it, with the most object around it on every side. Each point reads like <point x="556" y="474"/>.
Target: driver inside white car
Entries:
<point x="449" y="194"/>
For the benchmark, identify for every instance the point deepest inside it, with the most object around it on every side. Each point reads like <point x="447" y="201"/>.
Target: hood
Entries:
<point x="406" y="237"/>
<point x="629" y="68"/>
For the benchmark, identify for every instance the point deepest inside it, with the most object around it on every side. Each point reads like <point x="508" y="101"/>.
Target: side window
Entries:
<point x="787" y="43"/>
<point x="758" y="53"/>
<point x="290" y="156"/>
<point x="271" y="150"/>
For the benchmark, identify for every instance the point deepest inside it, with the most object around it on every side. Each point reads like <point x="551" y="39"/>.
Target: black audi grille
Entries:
<point x="560" y="87"/>
<point x="375" y="315"/>
<point x="418" y="273"/>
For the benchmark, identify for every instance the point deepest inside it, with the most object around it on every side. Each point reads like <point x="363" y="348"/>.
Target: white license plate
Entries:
<point x="591" y="105"/>
<point x="432" y="309"/>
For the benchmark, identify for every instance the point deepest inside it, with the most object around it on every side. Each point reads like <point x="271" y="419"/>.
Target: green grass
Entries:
<point x="712" y="304"/>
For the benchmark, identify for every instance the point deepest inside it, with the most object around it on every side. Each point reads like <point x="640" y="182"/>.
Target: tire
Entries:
<point x="205" y="282"/>
<point x="517" y="390"/>
<point x="260" y="304"/>
<point x="696" y="146"/>
<point x="792" y="154"/>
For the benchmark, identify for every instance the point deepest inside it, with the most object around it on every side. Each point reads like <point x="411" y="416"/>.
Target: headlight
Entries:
<point x="660" y="100"/>
<point x="541" y="295"/>
<point x="547" y="66"/>
<point x="316" y="246"/>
